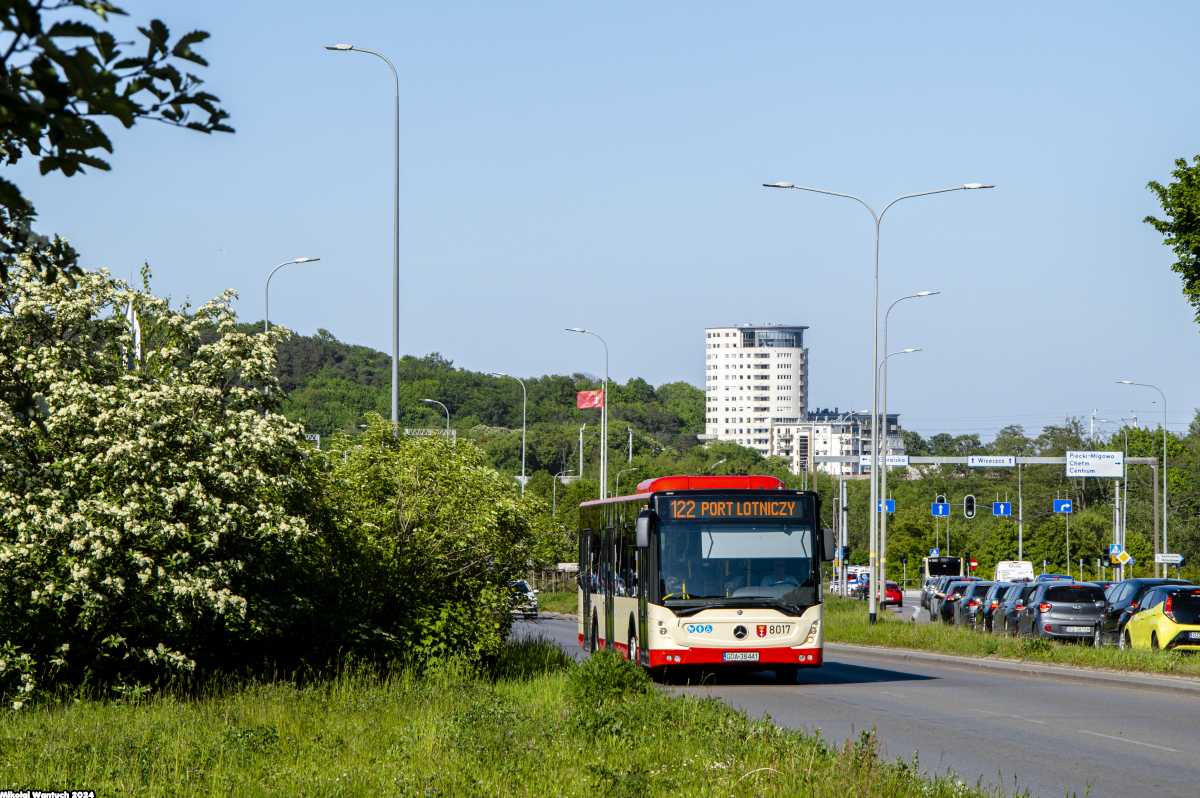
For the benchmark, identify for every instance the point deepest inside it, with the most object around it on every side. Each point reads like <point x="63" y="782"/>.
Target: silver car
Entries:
<point x="1066" y="611"/>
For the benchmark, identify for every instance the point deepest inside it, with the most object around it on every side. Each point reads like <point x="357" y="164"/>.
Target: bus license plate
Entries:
<point x="740" y="656"/>
<point x="1079" y="630"/>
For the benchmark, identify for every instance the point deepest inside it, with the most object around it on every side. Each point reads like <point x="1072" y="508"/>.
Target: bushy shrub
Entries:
<point x="149" y="516"/>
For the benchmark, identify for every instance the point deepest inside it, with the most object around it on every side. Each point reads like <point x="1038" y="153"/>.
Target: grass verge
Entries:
<point x="536" y="725"/>
<point x="559" y="602"/>
<point x="846" y="621"/>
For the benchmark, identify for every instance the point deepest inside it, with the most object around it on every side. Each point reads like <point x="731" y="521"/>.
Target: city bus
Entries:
<point x="942" y="566"/>
<point x="709" y="571"/>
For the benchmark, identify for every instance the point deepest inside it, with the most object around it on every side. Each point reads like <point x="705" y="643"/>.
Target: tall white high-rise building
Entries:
<point x="756" y="378"/>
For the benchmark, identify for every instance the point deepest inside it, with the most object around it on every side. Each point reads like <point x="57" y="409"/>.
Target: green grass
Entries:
<point x="559" y="602"/>
<point x="846" y="621"/>
<point x="454" y="731"/>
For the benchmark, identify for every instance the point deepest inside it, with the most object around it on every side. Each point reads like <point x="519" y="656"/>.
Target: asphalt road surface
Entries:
<point x="1053" y="737"/>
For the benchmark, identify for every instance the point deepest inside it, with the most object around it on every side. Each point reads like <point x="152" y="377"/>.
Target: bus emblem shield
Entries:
<point x="762" y="630"/>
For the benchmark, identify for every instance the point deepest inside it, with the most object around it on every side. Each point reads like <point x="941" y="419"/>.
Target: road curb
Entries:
<point x="1159" y="684"/>
<point x="558" y="616"/>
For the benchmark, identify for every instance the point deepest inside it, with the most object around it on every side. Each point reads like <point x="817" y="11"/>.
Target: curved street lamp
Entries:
<point x="267" y="290"/>
<point x="524" y="408"/>
<point x="436" y="402"/>
<point x="878" y="217"/>
<point x="554" y="492"/>
<point x="1164" y="488"/>
<point x="395" y="240"/>
<point x="617" y="489"/>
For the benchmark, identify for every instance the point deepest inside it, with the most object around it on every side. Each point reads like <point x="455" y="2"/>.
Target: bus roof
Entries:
<point x="684" y="482"/>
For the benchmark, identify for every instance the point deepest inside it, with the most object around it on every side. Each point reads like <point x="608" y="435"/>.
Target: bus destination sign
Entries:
<point x="733" y="508"/>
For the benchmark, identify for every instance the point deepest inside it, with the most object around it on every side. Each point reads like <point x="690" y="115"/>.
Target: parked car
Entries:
<point x="1051" y="577"/>
<point x="938" y="594"/>
<point x="525" y="602"/>
<point x="1004" y="617"/>
<point x="1066" y="611"/>
<point x="953" y="594"/>
<point x="991" y="600"/>
<point x="1123" y="598"/>
<point x="893" y="595"/>
<point x="1168" y="616"/>
<point x="968" y="606"/>
<point x="927" y="590"/>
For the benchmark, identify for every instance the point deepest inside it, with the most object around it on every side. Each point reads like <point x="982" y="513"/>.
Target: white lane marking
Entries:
<point x="1126" y="740"/>
<point x="1003" y="715"/>
<point x="897" y="695"/>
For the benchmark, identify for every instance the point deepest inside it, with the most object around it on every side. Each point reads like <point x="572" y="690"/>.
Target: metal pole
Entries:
<point x="436" y="402"/>
<point x="554" y="493"/>
<point x="524" y="416"/>
<point x="1165" y="547"/>
<point x="603" y="417"/>
<point x="617" y="487"/>
<point x="874" y="506"/>
<point x="630" y="431"/>
<point x="267" y="290"/>
<point x="395" y="242"/>
<point x="581" y="429"/>
<point x="1154" y="491"/>
<point x="1020" y="518"/>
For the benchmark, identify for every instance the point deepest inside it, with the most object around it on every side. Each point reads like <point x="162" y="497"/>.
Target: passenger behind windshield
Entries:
<point x="728" y="561"/>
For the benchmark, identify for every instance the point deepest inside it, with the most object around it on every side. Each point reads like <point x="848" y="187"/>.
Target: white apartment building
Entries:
<point x="756" y="376"/>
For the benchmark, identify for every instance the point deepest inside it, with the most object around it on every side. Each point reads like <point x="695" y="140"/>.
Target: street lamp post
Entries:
<point x="395" y="241"/>
<point x="875" y="348"/>
<point x="603" y="417"/>
<point x="554" y="492"/>
<point x="1164" y="469"/>
<point x="267" y="290"/>
<point x="436" y="402"/>
<point x="879" y="463"/>
<point x="617" y="489"/>
<point x="714" y="465"/>
<point x="884" y="471"/>
<point x="524" y="409"/>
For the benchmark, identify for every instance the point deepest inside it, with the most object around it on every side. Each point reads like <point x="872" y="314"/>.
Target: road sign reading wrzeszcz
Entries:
<point x="1095" y="464"/>
<point x="1062" y="505"/>
<point x="1168" y="559"/>
<point x="940" y="509"/>
<point x="991" y="462"/>
<point x="1001" y="508"/>
<point x="891" y="505"/>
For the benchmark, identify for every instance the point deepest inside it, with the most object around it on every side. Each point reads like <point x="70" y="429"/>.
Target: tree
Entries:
<point x="59" y="77"/>
<point x="155" y="521"/>
<point x="1180" y="201"/>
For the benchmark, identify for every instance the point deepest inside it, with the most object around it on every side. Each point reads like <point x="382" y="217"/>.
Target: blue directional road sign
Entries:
<point x="1001" y="508"/>
<point x="933" y="552"/>
<point x="891" y="505"/>
<point x="1062" y="505"/>
<point x="941" y="508"/>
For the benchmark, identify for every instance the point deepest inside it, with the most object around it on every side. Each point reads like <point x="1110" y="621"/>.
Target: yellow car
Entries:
<point x="1167" y="617"/>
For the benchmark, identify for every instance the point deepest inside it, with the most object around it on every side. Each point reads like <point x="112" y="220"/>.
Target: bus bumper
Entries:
<point x="801" y="657"/>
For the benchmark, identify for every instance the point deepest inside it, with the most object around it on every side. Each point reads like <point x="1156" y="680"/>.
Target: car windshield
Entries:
<point x="521" y="586"/>
<point x="1075" y="593"/>
<point x="960" y="589"/>
<point x="749" y="562"/>
<point x="1185" y="606"/>
<point x="893" y="586"/>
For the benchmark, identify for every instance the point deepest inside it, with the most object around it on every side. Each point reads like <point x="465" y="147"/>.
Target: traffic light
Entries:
<point x="967" y="562"/>
<point x="940" y="499"/>
<point x="903" y="559"/>
<point x="969" y="506"/>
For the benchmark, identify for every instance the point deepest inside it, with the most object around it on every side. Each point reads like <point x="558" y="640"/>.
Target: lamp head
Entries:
<point x="499" y="374"/>
<point x="576" y="329"/>
<point x="340" y="47"/>
<point x="928" y="293"/>
<point x="780" y="185"/>
<point x="1124" y="382"/>
<point x="906" y="351"/>
<point x="976" y="185"/>
<point x="426" y="400"/>
<point x="305" y="260"/>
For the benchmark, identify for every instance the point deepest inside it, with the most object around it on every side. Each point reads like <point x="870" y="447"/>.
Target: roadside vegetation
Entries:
<point x="566" y="602"/>
<point x="531" y="724"/>
<point x="847" y="621"/>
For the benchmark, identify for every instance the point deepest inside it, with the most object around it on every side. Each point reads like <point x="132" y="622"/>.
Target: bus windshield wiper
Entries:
<point x="786" y="609"/>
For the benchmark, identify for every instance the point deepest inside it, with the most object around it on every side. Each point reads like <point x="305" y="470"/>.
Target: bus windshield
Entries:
<point x="944" y="566"/>
<point x="728" y="563"/>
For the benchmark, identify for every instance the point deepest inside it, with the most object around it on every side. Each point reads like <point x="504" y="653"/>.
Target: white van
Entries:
<point x="1014" y="570"/>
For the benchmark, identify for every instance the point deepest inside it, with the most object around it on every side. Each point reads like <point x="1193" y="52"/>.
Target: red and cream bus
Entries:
<point x="705" y="571"/>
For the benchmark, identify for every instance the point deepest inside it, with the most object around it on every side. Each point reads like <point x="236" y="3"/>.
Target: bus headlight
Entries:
<point x="812" y="633"/>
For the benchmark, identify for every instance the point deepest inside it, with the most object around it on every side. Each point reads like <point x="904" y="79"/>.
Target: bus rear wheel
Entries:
<point x="786" y="674"/>
<point x="595" y="635"/>
<point x="632" y="654"/>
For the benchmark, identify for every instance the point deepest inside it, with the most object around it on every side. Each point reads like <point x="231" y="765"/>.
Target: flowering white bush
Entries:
<point x="143" y="523"/>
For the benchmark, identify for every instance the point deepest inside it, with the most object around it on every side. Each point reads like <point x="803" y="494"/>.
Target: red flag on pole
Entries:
<point x="586" y="399"/>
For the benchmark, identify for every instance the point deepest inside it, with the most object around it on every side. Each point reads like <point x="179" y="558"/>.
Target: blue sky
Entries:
<point x="600" y="165"/>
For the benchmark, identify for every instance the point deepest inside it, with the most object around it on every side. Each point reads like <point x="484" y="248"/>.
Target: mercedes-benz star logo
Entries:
<point x="739" y="631"/>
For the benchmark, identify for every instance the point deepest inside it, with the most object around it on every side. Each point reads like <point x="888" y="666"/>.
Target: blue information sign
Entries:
<point x="933" y="552"/>
<point x="941" y="508"/>
<point x="891" y="505"/>
<point x="1114" y="549"/>
<point x="1001" y="508"/>
<point x="1062" y="505"/>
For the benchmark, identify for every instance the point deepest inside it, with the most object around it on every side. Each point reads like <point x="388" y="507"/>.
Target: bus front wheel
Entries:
<point x="632" y="654"/>
<point x="593" y="642"/>
<point x="786" y="674"/>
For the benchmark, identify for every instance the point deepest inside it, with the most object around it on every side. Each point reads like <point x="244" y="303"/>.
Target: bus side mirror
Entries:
<point x="642" y="528"/>
<point x="828" y="545"/>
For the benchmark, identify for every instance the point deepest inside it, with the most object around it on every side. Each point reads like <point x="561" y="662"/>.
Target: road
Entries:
<point x="1053" y="737"/>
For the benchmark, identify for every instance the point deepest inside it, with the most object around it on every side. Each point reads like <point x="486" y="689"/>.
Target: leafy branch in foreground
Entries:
<point x="1181" y="202"/>
<point x="59" y="78"/>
